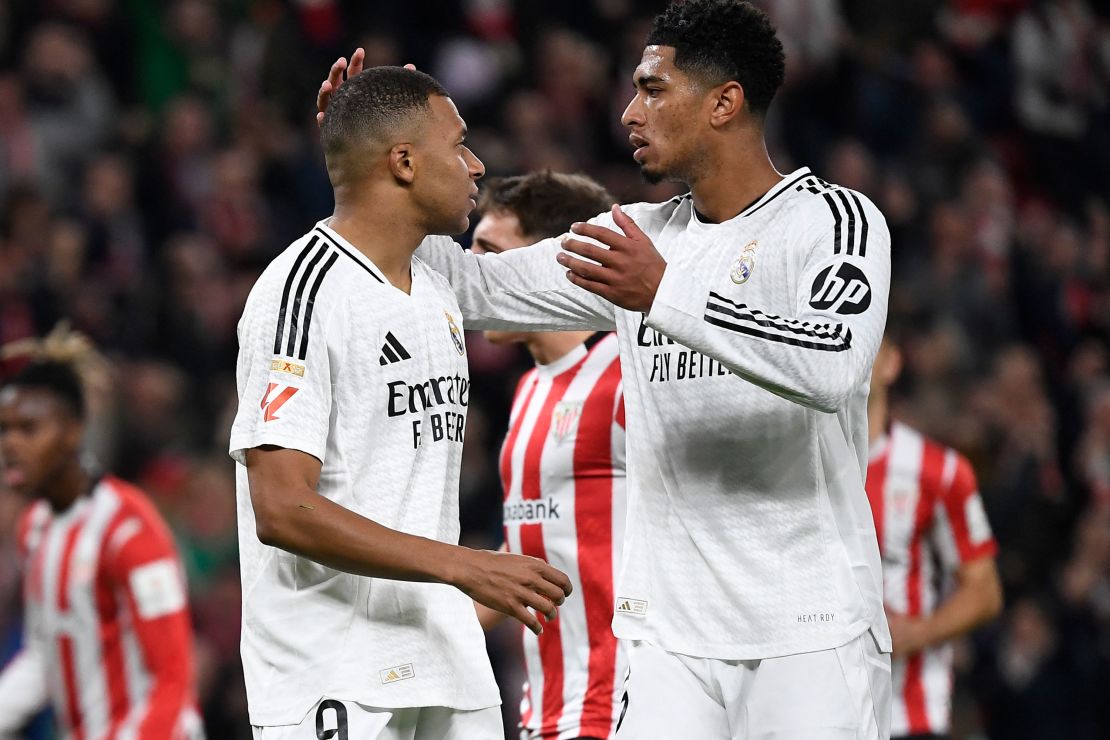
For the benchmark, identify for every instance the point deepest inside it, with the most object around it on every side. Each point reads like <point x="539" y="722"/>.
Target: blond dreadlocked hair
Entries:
<point x="64" y="361"/>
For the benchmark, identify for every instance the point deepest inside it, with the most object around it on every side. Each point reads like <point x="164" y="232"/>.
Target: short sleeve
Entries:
<point x="284" y="384"/>
<point x="962" y="531"/>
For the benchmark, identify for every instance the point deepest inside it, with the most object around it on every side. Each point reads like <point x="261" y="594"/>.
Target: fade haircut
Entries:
<point x="60" y="379"/>
<point x="545" y="203"/>
<point x="717" y="41"/>
<point x="370" y="106"/>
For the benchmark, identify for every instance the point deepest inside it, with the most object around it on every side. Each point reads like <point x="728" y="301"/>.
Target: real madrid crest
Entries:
<point x="456" y="335"/>
<point x="744" y="265"/>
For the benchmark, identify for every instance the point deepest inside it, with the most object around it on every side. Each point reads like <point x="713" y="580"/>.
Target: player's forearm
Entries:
<point x="820" y="373"/>
<point x="969" y="606"/>
<point x="312" y="526"/>
<point x="520" y="290"/>
<point x="488" y="618"/>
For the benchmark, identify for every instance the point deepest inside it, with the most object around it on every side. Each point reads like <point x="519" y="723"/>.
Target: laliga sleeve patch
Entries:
<point x="978" y="529"/>
<point x="157" y="589"/>
<point x="845" y="291"/>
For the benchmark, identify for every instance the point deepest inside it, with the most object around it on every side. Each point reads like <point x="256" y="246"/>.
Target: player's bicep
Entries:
<point x="963" y="532"/>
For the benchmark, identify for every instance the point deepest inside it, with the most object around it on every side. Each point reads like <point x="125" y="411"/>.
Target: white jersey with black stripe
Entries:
<point x="336" y="362"/>
<point x="749" y="533"/>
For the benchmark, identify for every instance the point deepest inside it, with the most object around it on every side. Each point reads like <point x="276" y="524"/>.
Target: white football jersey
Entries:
<point x="749" y="533"/>
<point x="336" y="362"/>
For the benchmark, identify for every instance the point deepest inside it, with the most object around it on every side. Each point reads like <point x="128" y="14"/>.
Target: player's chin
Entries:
<point x="652" y="174"/>
<point x="503" y="337"/>
<point x="453" y="227"/>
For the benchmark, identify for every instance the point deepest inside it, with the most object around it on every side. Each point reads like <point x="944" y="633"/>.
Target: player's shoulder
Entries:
<point x="942" y="467"/>
<point x="134" y="514"/>
<point x="604" y="347"/>
<point x="32" y="520"/>
<point x="648" y="216"/>
<point x="317" y="269"/>
<point x="819" y="206"/>
<point x="436" y="278"/>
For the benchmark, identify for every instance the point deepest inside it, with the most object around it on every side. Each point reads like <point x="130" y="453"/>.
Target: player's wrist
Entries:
<point x="450" y="566"/>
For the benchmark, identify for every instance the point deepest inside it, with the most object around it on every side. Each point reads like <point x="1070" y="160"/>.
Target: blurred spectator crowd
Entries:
<point x="156" y="154"/>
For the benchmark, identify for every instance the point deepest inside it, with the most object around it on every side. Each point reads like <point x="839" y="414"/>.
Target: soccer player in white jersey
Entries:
<point x="108" y="640"/>
<point x="748" y="313"/>
<point x="562" y="470"/>
<point x="353" y="391"/>
<point x="939" y="574"/>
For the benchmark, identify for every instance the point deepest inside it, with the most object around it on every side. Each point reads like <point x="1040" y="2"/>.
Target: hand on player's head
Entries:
<point x="340" y="71"/>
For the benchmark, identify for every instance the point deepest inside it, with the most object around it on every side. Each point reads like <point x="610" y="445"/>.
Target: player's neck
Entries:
<point x="549" y="347"/>
<point x="69" y="485"/>
<point x="735" y="177"/>
<point x="385" y="236"/>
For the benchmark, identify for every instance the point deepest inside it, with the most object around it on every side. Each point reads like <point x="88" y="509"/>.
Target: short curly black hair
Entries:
<point x="722" y="40"/>
<point x="369" y="105"/>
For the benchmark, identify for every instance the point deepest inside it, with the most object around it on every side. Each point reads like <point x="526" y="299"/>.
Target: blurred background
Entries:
<point x="156" y="154"/>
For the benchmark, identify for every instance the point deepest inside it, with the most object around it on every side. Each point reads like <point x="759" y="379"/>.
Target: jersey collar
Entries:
<point x="783" y="186"/>
<point x="564" y="363"/>
<point x="349" y="249"/>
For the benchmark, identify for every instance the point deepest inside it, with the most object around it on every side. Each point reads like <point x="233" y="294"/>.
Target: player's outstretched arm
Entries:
<point x="291" y="515"/>
<point x="23" y="691"/>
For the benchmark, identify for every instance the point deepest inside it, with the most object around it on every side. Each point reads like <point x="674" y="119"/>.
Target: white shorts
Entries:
<point x="347" y="720"/>
<point x="838" y="694"/>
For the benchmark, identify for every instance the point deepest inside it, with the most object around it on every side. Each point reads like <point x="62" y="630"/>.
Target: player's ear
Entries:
<point x="73" y="432"/>
<point x="402" y="162"/>
<point x="892" y="362"/>
<point x="726" y="102"/>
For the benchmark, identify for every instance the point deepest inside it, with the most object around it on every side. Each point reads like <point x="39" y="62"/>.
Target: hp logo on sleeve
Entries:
<point x="844" y="292"/>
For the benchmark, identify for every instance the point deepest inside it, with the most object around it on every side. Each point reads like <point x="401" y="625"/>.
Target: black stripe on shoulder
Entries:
<point x="785" y="188"/>
<point x="355" y="259"/>
<point x="851" y="242"/>
<point x="285" y="293"/>
<point x="311" y="301"/>
<point x="294" y="320"/>
<point x="863" y="222"/>
<point x="837" y="235"/>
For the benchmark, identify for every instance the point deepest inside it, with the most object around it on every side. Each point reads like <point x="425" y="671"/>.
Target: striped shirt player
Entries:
<point x="562" y="470"/>
<point x="337" y="363"/>
<point x="108" y="637"/>
<point x="930" y="520"/>
<point x="749" y="534"/>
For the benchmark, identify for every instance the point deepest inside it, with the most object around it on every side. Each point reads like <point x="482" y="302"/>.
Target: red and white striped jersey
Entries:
<point x="929" y="519"/>
<point x="108" y="637"/>
<point x="562" y="469"/>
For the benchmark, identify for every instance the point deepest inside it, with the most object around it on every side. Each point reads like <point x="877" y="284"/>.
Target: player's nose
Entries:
<point x="633" y="113"/>
<point x="477" y="169"/>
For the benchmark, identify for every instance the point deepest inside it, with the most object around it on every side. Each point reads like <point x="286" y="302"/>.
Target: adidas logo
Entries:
<point x="631" y="606"/>
<point x="392" y="351"/>
<point x="396" y="673"/>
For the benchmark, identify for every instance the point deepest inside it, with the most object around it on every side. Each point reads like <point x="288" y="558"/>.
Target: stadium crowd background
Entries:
<point x="155" y="154"/>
